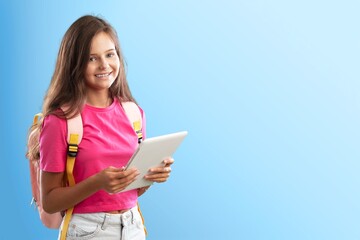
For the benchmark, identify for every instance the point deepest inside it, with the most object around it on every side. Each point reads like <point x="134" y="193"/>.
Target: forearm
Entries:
<point x="62" y="198"/>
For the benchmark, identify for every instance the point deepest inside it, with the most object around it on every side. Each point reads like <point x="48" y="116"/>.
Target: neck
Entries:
<point x="99" y="100"/>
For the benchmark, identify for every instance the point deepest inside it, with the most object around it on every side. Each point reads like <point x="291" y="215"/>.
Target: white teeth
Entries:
<point x="102" y="75"/>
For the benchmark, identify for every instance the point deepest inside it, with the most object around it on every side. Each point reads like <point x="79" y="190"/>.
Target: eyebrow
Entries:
<point x="111" y="49"/>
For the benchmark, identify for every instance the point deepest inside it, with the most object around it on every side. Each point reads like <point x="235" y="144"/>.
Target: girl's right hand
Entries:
<point x="114" y="180"/>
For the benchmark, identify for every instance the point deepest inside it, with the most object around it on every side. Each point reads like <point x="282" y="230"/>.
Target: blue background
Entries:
<point x="268" y="90"/>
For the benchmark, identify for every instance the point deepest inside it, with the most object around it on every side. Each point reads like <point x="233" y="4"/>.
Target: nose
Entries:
<point x="103" y="64"/>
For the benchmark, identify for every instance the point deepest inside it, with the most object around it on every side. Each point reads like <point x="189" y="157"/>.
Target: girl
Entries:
<point x="89" y="79"/>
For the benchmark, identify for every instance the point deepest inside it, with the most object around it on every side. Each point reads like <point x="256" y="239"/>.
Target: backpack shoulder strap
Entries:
<point x="74" y="125"/>
<point x="74" y="134"/>
<point x="134" y="115"/>
<point x="74" y="137"/>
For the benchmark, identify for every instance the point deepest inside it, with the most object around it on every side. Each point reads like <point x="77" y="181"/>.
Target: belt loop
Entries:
<point x="132" y="216"/>
<point x="103" y="223"/>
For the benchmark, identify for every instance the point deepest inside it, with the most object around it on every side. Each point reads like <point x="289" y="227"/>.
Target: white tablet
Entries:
<point x="151" y="153"/>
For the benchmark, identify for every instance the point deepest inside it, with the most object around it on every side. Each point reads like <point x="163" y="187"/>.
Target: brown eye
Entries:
<point x="109" y="55"/>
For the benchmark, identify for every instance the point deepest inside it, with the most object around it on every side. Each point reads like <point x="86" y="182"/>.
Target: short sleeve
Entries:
<point x="53" y="144"/>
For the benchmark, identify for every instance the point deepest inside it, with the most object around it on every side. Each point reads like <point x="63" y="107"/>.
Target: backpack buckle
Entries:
<point x="72" y="150"/>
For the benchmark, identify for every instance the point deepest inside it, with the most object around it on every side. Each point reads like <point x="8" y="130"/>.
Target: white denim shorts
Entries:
<point x="106" y="226"/>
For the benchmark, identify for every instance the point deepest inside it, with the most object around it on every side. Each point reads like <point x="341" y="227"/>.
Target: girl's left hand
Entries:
<point x="160" y="174"/>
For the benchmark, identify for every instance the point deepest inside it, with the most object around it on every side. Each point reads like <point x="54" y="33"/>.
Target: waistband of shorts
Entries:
<point x="111" y="218"/>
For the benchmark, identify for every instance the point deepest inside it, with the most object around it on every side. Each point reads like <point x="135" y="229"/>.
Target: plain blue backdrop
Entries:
<point x="268" y="90"/>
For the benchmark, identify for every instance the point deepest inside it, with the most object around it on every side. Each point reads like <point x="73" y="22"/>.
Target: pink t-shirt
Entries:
<point x="108" y="140"/>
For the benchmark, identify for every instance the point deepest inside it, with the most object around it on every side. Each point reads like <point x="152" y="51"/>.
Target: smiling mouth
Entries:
<point x="102" y="75"/>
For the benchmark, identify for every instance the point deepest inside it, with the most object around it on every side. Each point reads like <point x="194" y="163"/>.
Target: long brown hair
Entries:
<point x="67" y="86"/>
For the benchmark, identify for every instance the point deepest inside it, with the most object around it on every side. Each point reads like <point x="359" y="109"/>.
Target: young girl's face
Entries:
<point x="103" y="64"/>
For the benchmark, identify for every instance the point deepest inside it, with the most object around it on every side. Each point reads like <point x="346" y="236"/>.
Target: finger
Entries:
<point x="155" y="177"/>
<point x="160" y="170"/>
<point x="121" y="185"/>
<point x="115" y="169"/>
<point x="125" y="177"/>
<point x="158" y="180"/>
<point x="129" y="172"/>
<point x="168" y="161"/>
<point x="120" y="180"/>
